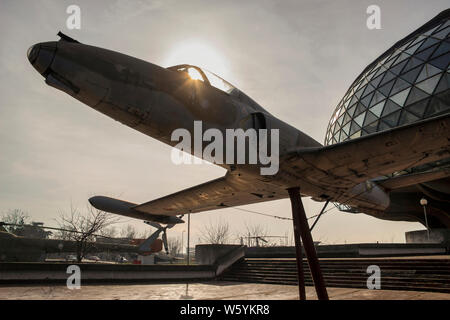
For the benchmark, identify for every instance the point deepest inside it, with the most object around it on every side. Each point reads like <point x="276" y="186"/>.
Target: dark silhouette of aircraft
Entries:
<point x="156" y="101"/>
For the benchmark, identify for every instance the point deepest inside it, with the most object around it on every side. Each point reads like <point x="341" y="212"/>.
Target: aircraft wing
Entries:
<point x="228" y="191"/>
<point x="344" y="165"/>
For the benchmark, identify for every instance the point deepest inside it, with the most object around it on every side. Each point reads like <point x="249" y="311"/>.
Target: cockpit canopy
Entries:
<point x="195" y="73"/>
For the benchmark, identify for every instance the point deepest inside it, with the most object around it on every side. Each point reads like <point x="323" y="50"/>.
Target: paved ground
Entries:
<point x="201" y="291"/>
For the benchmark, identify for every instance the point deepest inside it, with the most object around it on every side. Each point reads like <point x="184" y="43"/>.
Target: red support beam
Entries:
<point x="301" y="224"/>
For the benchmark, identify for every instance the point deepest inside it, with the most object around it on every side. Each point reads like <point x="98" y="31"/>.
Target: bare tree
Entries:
<point x="216" y="234"/>
<point x="129" y="232"/>
<point x="82" y="227"/>
<point x="254" y="234"/>
<point x="174" y="245"/>
<point x="17" y="217"/>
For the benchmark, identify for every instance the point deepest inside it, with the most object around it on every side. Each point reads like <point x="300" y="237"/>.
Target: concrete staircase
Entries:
<point x="396" y="274"/>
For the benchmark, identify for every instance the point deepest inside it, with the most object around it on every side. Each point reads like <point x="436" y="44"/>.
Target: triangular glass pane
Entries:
<point x="385" y="89"/>
<point x="372" y="127"/>
<point x="398" y="68"/>
<point x="418" y="108"/>
<point x="431" y="30"/>
<point x="359" y="108"/>
<point x="399" y="85"/>
<point x="378" y="108"/>
<point x="413" y="62"/>
<point x="383" y="126"/>
<point x="429" y="84"/>
<point x="400" y="97"/>
<point x="346" y="128"/>
<point x="411" y="75"/>
<point x="441" y="62"/>
<point x="412" y="49"/>
<point x="390" y="107"/>
<point x="402" y="57"/>
<point x="356" y="135"/>
<point x="370" y="117"/>
<point x="415" y="95"/>
<point x="374" y="82"/>
<point x="360" y="119"/>
<point x="369" y="89"/>
<point x="339" y="121"/>
<point x="353" y="100"/>
<point x="366" y="100"/>
<point x="425" y="53"/>
<point x="418" y="39"/>
<point x="443" y="48"/>
<point x="428" y="71"/>
<point x="351" y="110"/>
<point x="380" y="71"/>
<point x="444" y="84"/>
<point x="392" y="119"/>
<point x="442" y="34"/>
<point x="347" y="118"/>
<point x="388" y="63"/>
<point x="343" y="136"/>
<point x="407" y="117"/>
<point x="446" y="24"/>
<point x="377" y="97"/>
<point x="354" y="127"/>
<point x="359" y="93"/>
<point x="389" y="76"/>
<point x="437" y="106"/>
<point x="427" y="43"/>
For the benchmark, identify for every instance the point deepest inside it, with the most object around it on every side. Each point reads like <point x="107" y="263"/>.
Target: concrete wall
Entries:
<point x="208" y="254"/>
<point x="421" y="236"/>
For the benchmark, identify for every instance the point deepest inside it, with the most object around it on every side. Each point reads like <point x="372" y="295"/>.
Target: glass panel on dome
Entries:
<point x="418" y="108"/>
<point x="360" y="119"/>
<point x="442" y="34"/>
<point x="346" y="128"/>
<point x="413" y="62"/>
<point x="412" y="49"/>
<point x="390" y="107"/>
<point x="407" y="117"/>
<point x="437" y="106"/>
<point x="372" y="127"/>
<point x="386" y="88"/>
<point x="354" y="127"/>
<point x="351" y="110"/>
<point x="402" y="57"/>
<point x="359" y="108"/>
<point x="415" y="95"/>
<point x="428" y="43"/>
<point x="400" y="97"/>
<point x="389" y="76"/>
<point x="399" y="67"/>
<point x="370" y="117"/>
<point x="399" y="85"/>
<point x="356" y="135"/>
<point x="444" y="84"/>
<point x="392" y="119"/>
<point x="443" y="48"/>
<point x="411" y="75"/>
<point x="426" y="53"/>
<point x="441" y="62"/>
<point x="428" y="71"/>
<point x="366" y="100"/>
<point x="369" y="89"/>
<point x="377" y="97"/>
<point x="383" y="126"/>
<point x="378" y="108"/>
<point x="429" y="85"/>
<point x="376" y="81"/>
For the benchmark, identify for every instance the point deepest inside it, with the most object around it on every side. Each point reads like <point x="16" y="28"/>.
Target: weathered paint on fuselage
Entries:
<point x="156" y="101"/>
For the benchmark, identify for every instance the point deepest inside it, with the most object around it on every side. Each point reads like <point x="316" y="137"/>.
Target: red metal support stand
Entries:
<point x="301" y="226"/>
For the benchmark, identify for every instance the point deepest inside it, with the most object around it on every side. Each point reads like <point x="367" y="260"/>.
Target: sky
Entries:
<point x="295" y="58"/>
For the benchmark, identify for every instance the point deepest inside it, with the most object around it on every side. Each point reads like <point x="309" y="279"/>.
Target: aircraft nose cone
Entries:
<point x="41" y="55"/>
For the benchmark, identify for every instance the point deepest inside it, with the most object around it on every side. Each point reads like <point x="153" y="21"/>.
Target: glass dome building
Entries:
<point x="407" y="83"/>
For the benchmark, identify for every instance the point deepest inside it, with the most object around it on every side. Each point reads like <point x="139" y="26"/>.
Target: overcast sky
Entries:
<point x="295" y="58"/>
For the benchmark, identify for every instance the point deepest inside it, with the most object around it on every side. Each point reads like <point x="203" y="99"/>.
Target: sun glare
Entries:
<point x="198" y="54"/>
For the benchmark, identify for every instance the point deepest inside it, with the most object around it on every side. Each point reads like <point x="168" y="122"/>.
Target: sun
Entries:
<point x="198" y="54"/>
